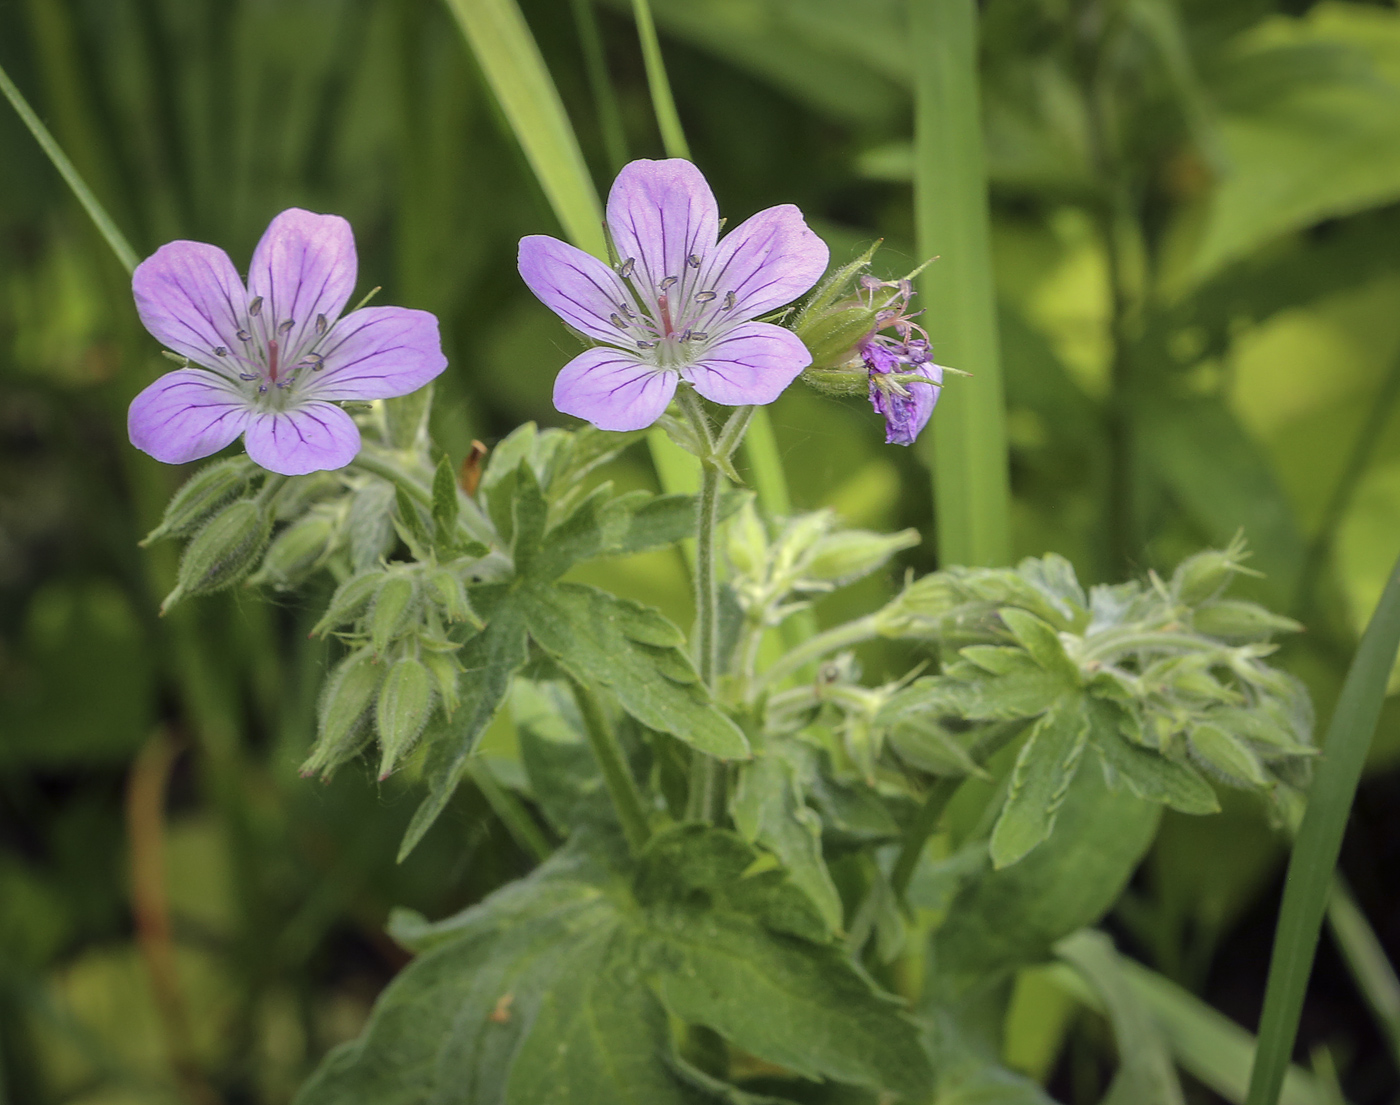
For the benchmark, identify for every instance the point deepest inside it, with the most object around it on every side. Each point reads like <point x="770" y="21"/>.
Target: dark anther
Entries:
<point x="705" y="297"/>
<point x="247" y="376"/>
<point x="320" y="324"/>
<point x="616" y="320"/>
<point x="693" y="260"/>
<point x="220" y="351"/>
<point x="668" y="283"/>
<point x="255" y="307"/>
<point x="243" y="335"/>
<point x="284" y="326"/>
<point x="625" y="269"/>
<point x="700" y="335"/>
<point x="262" y="389"/>
<point x="646" y="344"/>
<point x="728" y="301"/>
<point x="316" y="361"/>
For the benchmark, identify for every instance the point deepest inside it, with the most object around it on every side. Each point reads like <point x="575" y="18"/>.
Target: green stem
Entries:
<point x="471" y="520"/>
<point x="838" y="637"/>
<point x="952" y="218"/>
<point x="510" y="810"/>
<point x="96" y="212"/>
<point x="622" y="788"/>
<point x="662" y="103"/>
<point x="936" y="801"/>
<point x="604" y="97"/>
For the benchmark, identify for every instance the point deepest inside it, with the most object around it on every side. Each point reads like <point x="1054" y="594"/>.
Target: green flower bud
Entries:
<point x="849" y="554"/>
<point x="405" y="701"/>
<point x="1229" y="758"/>
<point x="345" y="705"/>
<point x="393" y="609"/>
<point x="447" y="591"/>
<point x="748" y="542"/>
<point x="202" y="494"/>
<point x="1235" y="620"/>
<point x="444" y="671"/>
<point x="298" y="551"/>
<point x="1202" y="577"/>
<point x="223" y="552"/>
<point x="831" y="335"/>
<point x="406" y="418"/>
<point x="350" y="598"/>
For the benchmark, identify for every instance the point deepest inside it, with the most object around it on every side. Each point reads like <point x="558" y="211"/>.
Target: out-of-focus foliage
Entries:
<point x="1198" y="257"/>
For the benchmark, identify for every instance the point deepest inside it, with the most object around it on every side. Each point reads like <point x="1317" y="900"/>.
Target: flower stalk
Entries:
<point x="617" y="777"/>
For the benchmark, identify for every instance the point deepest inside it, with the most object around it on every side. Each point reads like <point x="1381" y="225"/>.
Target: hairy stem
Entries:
<point x="510" y="810"/>
<point x="834" y="639"/>
<point x="617" y="776"/>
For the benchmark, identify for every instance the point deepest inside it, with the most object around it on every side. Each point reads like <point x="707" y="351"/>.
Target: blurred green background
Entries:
<point x="1196" y="219"/>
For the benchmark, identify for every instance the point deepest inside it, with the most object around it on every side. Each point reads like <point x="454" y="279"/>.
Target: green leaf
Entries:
<point x="600" y="639"/>
<point x="411" y="526"/>
<point x="1145" y="1075"/>
<point x="1147" y="774"/>
<point x="529" y="516"/>
<point x="1011" y="917"/>
<point x="511" y="63"/>
<point x="801" y="1005"/>
<point x="529" y="997"/>
<point x="1042" y="642"/>
<point x="769" y="809"/>
<point x="445" y="506"/>
<point x="548" y="990"/>
<point x="1044" y="770"/>
<point x="564" y="776"/>
<point x="489" y="660"/>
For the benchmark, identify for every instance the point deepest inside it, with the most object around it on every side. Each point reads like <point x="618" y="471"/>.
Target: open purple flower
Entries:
<point x="269" y="361"/>
<point x="681" y="302"/>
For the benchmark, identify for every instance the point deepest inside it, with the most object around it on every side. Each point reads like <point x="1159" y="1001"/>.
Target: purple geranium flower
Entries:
<point x="271" y="360"/>
<point x="680" y="303"/>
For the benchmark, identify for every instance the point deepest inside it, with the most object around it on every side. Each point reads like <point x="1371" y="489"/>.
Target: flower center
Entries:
<point x="671" y="326"/>
<point x="273" y="356"/>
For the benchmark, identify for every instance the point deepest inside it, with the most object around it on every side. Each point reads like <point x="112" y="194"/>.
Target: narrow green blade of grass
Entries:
<point x="511" y="62"/>
<point x="1319" y="842"/>
<point x="968" y="452"/>
<point x="1370" y="969"/>
<point x="662" y="102"/>
<point x="96" y="212"/>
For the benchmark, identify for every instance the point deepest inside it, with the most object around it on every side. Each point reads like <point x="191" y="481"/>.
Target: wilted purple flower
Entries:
<point x="680" y="302"/>
<point x="269" y="361"/>
<point x="905" y="404"/>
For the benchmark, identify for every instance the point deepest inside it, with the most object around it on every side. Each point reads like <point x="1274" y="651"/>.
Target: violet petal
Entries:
<point x="613" y="390"/>
<point x="376" y="353"/>
<point x="766" y="261"/>
<point x="313" y="437"/>
<point x="576" y="286"/>
<point x="190" y="298"/>
<point x="751" y="363"/>
<point x="185" y="415"/>
<point x="303" y="269"/>
<point x="661" y="214"/>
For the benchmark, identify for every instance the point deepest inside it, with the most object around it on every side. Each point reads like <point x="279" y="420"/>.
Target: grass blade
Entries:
<point x="604" y="97"/>
<point x="506" y="51"/>
<point x="96" y="212"/>
<point x="662" y="102"/>
<point x="1370" y="969"/>
<point x="1319" y="842"/>
<point x="970" y="480"/>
